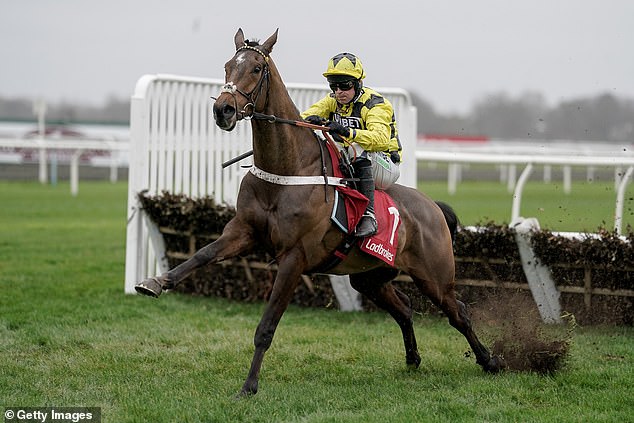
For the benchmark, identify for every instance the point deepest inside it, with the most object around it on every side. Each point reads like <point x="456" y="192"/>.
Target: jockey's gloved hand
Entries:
<point x="315" y="120"/>
<point x="338" y="129"/>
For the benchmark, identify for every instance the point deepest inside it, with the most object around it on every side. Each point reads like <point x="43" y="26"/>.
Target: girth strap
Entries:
<point x="339" y="254"/>
<point x="296" y="180"/>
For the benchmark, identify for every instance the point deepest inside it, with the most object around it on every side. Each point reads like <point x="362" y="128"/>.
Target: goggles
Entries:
<point x="343" y="86"/>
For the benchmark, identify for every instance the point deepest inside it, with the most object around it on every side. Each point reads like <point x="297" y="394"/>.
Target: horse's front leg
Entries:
<point x="289" y="272"/>
<point x="235" y="239"/>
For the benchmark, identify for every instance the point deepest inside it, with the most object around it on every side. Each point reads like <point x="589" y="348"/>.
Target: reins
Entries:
<point x="324" y="129"/>
<point x="274" y="119"/>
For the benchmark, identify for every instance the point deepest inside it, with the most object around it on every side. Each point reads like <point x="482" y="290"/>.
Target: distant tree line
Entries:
<point x="600" y="118"/>
<point x="114" y="110"/>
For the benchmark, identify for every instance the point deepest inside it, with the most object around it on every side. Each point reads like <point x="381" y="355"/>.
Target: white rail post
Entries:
<point x="567" y="170"/>
<point x="620" y="195"/>
<point x="138" y="176"/>
<point x="452" y="178"/>
<point x="39" y="108"/>
<point x="538" y="276"/>
<point x="511" y="177"/>
<point x="114" y="168"/>
<point x="74" y="172"/>
<point x="349" y="299"/>
<point x="548" y="173"/>
<point x="519" y="188"/>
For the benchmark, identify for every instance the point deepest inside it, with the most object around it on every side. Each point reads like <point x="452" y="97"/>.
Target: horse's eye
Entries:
<point x="257" y="69"/>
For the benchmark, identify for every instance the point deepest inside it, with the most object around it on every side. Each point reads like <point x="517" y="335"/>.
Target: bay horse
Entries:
<point x="293" y="222"/>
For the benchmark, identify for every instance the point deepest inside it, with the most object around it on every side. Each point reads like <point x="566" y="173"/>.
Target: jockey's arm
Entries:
<point x="321" y="108"/>
<point x="377" y="135"/>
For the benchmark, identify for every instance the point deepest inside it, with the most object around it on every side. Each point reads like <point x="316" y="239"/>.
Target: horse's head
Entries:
<point x="246" y="81"/>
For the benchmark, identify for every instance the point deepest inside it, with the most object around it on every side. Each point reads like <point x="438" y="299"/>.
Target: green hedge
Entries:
<point x="487" y="256"/>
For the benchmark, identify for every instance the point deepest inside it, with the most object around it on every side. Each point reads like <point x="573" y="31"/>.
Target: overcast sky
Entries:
<point x="450" y="52"/>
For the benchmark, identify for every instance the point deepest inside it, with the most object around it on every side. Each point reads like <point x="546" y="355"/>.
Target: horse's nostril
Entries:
<point x="228" y="110"/>
<point x="223" y="112"/>
<point x="225" y="115"/>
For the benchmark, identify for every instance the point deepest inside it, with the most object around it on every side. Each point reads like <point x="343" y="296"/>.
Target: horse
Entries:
<point x="293" y="222"/>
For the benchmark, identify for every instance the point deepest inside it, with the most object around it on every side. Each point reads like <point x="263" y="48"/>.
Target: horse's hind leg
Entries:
<point x="377" y="287"/>
<point x="456" y="311"/>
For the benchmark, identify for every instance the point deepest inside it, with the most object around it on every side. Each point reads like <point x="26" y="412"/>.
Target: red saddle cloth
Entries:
<point x="383" y="244"/>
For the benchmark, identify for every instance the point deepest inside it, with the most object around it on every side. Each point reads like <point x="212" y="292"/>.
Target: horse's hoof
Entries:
<point x="248" y="390"/>
<point x="150" y="287"/>
<point x="495" y="365"/>
<point x="413" y="362"/>
<point x="243" y="395"/>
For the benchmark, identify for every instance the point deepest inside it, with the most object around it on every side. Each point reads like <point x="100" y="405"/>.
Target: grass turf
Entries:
<point x="70" y="337"/>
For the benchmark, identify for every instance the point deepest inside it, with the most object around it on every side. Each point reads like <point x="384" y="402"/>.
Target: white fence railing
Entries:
<point x="550" y="150"/>
<point x="176" y="146"/>
<point x="76" y="147"/>
<point x="456" y="158"/>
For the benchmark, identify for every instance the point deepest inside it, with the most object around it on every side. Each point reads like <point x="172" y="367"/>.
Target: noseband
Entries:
<point x="231" y="88"/>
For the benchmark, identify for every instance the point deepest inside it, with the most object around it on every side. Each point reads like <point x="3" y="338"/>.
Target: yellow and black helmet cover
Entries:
<point x="344" y="65"/>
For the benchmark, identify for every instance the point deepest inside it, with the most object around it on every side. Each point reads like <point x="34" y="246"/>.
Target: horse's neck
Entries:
<point x="281" y="148"/>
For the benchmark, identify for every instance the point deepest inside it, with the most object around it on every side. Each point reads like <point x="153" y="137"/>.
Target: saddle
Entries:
<point x="349" y="206"/>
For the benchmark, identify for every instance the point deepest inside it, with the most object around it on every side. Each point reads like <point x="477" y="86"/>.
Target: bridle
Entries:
<point x="249" y="108"/>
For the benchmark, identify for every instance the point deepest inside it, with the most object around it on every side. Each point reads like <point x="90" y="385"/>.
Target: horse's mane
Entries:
<point x="252" y="43"/>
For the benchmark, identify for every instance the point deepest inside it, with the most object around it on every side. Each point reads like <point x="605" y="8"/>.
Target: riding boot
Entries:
<point x="367" y="226"/>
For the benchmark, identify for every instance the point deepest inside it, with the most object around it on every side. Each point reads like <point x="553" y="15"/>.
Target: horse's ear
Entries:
<point x="270" y="42"/>
<point x="239" y="38"/>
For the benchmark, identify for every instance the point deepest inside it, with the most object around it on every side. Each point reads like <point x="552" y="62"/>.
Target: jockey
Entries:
<point x="362" y="120"/>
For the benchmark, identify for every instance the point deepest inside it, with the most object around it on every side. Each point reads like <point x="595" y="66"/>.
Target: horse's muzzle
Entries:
<point x="225" y="115"/>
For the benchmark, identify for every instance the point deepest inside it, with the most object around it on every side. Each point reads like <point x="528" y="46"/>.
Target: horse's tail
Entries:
<point x="451" y="218"/>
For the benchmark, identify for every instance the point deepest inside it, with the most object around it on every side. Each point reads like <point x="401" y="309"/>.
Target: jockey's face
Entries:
<point x="344" y="96"/>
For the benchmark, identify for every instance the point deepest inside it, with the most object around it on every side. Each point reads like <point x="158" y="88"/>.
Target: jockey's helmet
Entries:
<point x="344" y="66"/>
